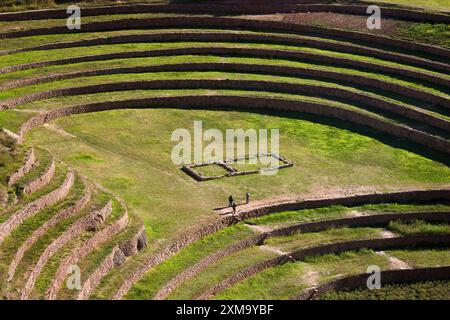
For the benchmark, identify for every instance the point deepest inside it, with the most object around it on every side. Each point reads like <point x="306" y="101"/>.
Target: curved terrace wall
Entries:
<point x="214" y="37"/>
<point x="116" y="258"/>
<point x="230" y="9"/>
<point x="42" y="180"/>
<point x="363" y="221"/>
<point x="389" y="277"/>
<point x="236" y="102"/>
<point x="260" y="85"/>
<point x="313" y="202"/>
<point x="80" y="252"/>
<point x="374" y="244"/>
<point x="75" y="230"/>
<point x="30" y="160"/>
<point x="31" y="209"/>
<point x="241" y="52"/>
<point x="63" y="214"/>
<point x="201" y="22"/>
<point x="273" y="70"/>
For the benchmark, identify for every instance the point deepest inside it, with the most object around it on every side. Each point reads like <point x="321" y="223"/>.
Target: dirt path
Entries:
<point x="388" y="234"/>
<point x="273" y="249"/>
<point x="259" y="229"/>
<point x="311" y="279"/>
<point x="316" y="194"/>
<point x="59" y="130"/>
<point x="395" y="262"/>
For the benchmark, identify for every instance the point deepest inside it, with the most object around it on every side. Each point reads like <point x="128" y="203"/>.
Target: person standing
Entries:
<point x="234" y="208"/>
<point x="230" y="201"/>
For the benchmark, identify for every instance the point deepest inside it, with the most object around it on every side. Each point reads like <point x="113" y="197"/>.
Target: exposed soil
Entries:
<point x="342" y="21"/>
<point x="395" y="262"/>
<point x="388" y="234"/>
<point x="273" y="249"/>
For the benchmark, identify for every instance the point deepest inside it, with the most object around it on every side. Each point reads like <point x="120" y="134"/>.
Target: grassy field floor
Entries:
<point x="141" y="172"/>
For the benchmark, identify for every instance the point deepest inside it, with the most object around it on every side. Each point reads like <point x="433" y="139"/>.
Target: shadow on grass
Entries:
<point x="360" y="129"/>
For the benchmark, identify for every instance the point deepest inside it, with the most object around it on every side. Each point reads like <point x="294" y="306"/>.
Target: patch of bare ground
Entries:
<point x="270" y="17"/>
<point x="273" y="249"/>
<point x="342" y="21"/>
<point x="387" y="234"/>
<point x="355" y="214"/>
<point x="58" y="130"/>
<point x="317" y="192"/>
<point x="259" y="229"/>
<point x="395" y="262"/>
<point x="311" y="279"/>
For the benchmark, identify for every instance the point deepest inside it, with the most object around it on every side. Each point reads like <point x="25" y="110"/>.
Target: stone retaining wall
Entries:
<point x="334" y="248"/>
<point x="42" y="180"/>
<point x="295" y="55"/>
<point x="30" y="160"/>
<point x="205" y="262"/>
<point x="75" y="230"/>
<point x="267" y="86"/>
<point x="116" y="258"/>
<point x="215" y="37"/>
<point x="418" y="196"/>
<point x="234" y="23"/>
<point x="31" y="209"/>
<point x="63" y="214"/>
<point x="80" y="252"/>
<point x="232" y="9"/>
<point x="363" y="221"/>
<point x="134" y="245"/>
<point x="237" y="102"/>
<point x="273" y="70"/>
<point x="182" y="242"/>
<point x="102" y="270"/>
<point x="388" y="277"/>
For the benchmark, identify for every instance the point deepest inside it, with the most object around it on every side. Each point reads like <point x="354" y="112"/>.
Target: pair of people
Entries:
<point x="232" y="203"/>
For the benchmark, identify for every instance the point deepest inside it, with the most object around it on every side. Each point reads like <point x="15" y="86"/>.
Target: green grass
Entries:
<point x="418" y="227"/>
<point x="438" y="5"/>
<point x="423" y="258"/>
<point x="12" y="156"/>
<point x="12" y="119"/>
<point x="335" y="212"/>
<point x="43" y="162"/>
<point x="218" y="272"/>
<point x="290" y="279"/>
<point x="126" y="146"/>
<point x="436" y="34"/>
<point x="153" y="280"/>
<point x="46" y="276"/>
<point x="305" y="240"/>
<point x="211" y="170"/>
<point x="430" y="290"/>
<point x="34" y="56"/>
